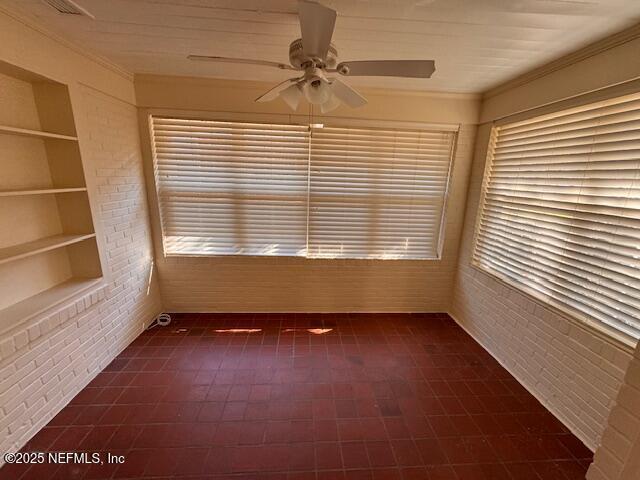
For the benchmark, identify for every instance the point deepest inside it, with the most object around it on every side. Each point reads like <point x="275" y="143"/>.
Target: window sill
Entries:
<point x="299" y="257"/>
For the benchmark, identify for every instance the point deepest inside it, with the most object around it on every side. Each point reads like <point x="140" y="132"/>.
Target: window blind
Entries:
<point x="377" y="193"/>
<point x="231" y="188"/>
<point x="560" y="216"/>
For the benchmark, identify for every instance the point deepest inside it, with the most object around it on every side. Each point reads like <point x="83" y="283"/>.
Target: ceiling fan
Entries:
<point x="316" y="56"/>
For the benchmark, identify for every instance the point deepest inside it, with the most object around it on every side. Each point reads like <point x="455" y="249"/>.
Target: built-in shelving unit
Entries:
<point x="48" y="246"/>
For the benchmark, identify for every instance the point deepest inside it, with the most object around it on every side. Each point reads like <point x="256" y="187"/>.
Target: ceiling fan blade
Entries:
<point x="316" y="25"/>
<point x="246" y="61"/>
<point x="347" y="94"/>
<point x="388" y="68"/>
<point x="275" y="91"/>
<point x="292" y="96"/>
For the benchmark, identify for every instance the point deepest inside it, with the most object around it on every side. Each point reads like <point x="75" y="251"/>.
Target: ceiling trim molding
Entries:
<point x="35" y="25"/>
<point x="259" y="84"/>
<point x="600" y="46"/>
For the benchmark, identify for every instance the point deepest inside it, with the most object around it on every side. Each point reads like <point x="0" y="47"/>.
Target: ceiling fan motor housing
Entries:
<point x="299" y="59"/>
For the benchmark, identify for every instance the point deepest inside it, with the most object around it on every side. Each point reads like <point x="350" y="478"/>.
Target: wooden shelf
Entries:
<point x="22" y="311"/>
<point x="16" y="252"/>
<point x="39" y="191"/>
<point x="35" y="133"/>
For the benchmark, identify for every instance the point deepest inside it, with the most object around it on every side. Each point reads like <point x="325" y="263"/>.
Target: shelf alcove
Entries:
<point x="48" y="248"/>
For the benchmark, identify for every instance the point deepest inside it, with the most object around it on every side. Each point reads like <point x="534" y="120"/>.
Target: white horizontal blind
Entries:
<point x="561" y="210"/>
<point x="231" y="188"/>
<point x="269" y="189"/>
<point x="377" y="193"/>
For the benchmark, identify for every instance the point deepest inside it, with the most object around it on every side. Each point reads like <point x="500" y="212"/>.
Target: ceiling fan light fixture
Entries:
<point x="317" y="91"/>
<point x="331" y="104"/>
<point x="292" y="96"/>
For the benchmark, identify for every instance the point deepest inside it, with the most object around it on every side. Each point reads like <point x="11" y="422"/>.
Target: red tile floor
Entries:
<point x="321" y="397"/>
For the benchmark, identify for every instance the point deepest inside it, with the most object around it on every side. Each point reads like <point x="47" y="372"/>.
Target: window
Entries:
<point x="560" y="214"/>
<point x="232" y="188"/>
<point x="377" y="193"/>
<point x="227" y="188"/>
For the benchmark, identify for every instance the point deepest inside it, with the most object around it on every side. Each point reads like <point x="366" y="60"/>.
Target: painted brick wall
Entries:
<point x="272" y="284"/>
<point x="576" y="373"/>
<point x="618" y="456"/>
<point x="43" y="364"/>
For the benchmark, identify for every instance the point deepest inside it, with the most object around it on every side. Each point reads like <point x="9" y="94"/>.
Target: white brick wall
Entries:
<point x="44" y="363"/>
<point x="272" y="284"/>
<point x="574" y="372"/>
<point x="618" y="456"/>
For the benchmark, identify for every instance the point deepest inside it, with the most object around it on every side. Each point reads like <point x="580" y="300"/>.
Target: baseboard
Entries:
<point x="307" y="312"/>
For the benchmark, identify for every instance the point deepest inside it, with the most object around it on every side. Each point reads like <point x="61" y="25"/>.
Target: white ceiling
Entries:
<point x="477" y="44"/>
